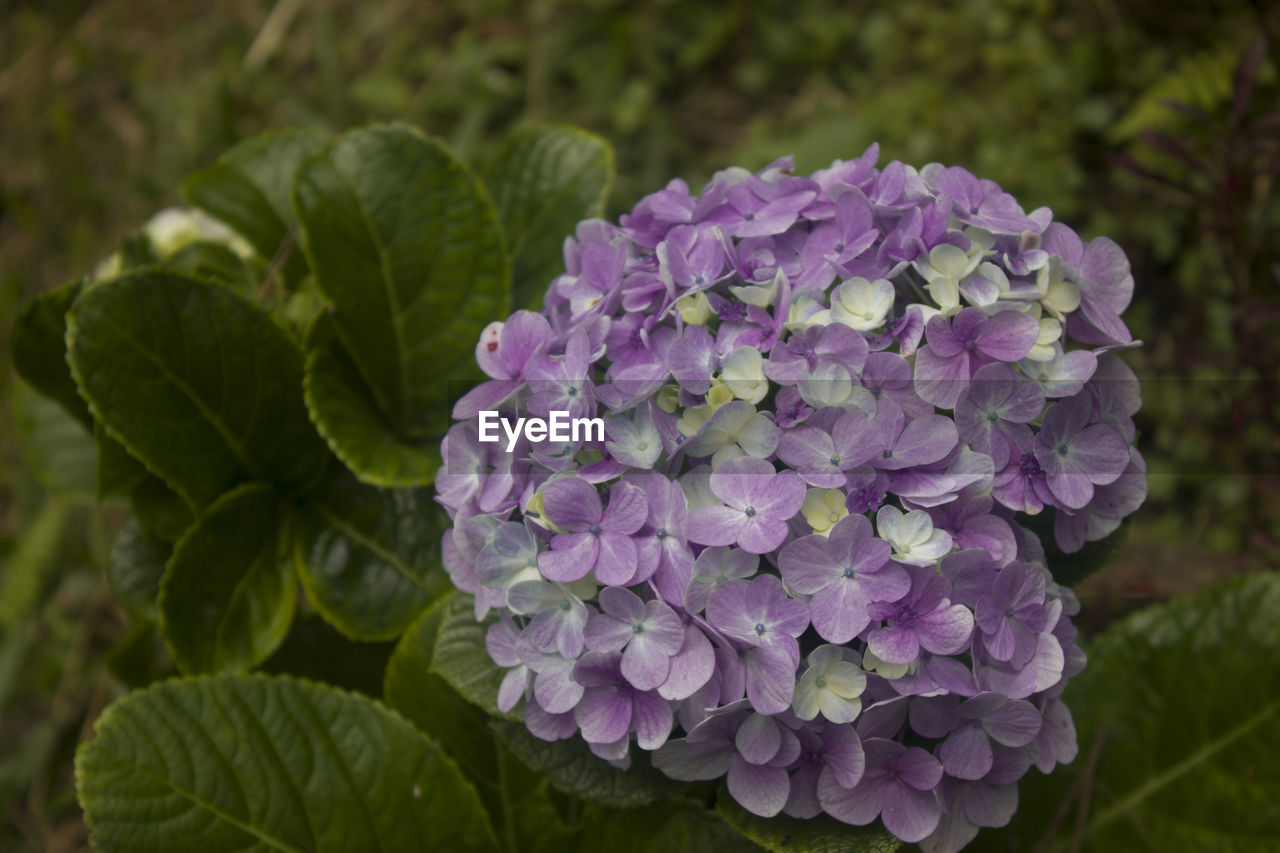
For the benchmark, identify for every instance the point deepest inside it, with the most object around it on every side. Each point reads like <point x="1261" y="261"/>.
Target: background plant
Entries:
<point x="106" y="106"/>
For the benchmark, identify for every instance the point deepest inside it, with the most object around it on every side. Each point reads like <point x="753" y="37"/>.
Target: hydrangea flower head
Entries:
<point x="795" y="554"/>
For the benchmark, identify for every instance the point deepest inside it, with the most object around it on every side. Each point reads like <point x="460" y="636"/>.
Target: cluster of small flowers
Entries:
<point x="825" y="400"/>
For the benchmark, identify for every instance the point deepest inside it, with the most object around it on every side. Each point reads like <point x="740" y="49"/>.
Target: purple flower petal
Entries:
<point x="966" y="754"/>
<point x="758" y="739"/>
<point x="894" y="644"/>
<point x="1007" y="336"/>
<point x="652" y="719"/>
<point x="603" y="715"/>
<point x="910" y="814"/>
<point x="628" y="509"/>
<point x="771" y="679"/>
<point x="858" y="805"/>
<point x="572" y="556"/>
<point x="716" y="525"/>
<point x="840" y="613"/>
<point x="617" y="558"/>
<point x="1015" y="724"/>
<point x="571" y="503"/>
<point x="760" y="789"/>
<point x="691" y="667"/>
<point x="946" y="631"/>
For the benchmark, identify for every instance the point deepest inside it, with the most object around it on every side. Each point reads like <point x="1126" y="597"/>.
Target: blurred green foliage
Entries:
<point x="1127" y="118"/>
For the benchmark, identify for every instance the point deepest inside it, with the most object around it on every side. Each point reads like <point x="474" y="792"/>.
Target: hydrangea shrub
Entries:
<point x="798" y="558"/>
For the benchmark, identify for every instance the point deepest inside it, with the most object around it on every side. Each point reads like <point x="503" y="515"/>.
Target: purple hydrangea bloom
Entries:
<point x="597" y="540"/>
<point x="648" y="634"/>
<point x="611" y="707"/>
<point x="758" y="501"/>
<point x="955" y="350"/>
<point x="924" y="618"/>
<point x="796" y="555"/>
<point x="846" y="572"/>
<point x="761" y="616"/>
<point x="1077" y="454"/>
<point x="898" y="784"/>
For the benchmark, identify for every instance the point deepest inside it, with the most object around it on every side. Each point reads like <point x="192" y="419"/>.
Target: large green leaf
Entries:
<point x="117" y="470"/>
<point x="134" y="568"/>
<point x="315" y="650"/>
<point x="58" y="450"/>
<point x="228" y="593"/>
<point x="822" y="834"/>
<point x="39" y="346"/>
<point x="161" y="511"/>
<point x="346" y="414"/>
<point x="462" y="659"/>
<point x="544" y="181"/>
<point x="256" y="763"/>
<point x="571" y="767"/>
<point x="248" y="188"/>
<point x="406" y="244"/>
<point x="369" y="558"/>
<point x="412" y="688"/>
<point x="196" y="382"/>
<point x="1181" y="704"/>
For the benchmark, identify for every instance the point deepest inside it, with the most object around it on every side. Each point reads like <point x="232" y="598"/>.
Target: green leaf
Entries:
<point x="204" y="259"/>
<point x="138" y="658"/>
<point x="228" y="593"/>
<point x="163" y="514"/>
<point x="544" y="181"/>
<point x="1181" y="703"/>
<point x="412" y="688"/>
<point x="571" y="767"/>
<point x="195" y="381"/>
<point x="406" y="244"/>
<point x="117" y="470"/>
<point x="260" y="763"/>
<point x="248" y="188"/>
<point x="462" y="659"/>
<point x="369" y="558"/>
<point x="345" y="413"/>
<point x="28" y="565"/>
<point x="679" y="826"/>
<point x="39" y="348"/>
<point x="134" y="568"/>
<point x="315" y="650"/>
<point x="56" y="447"/>
<point x="822" y="834"/>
